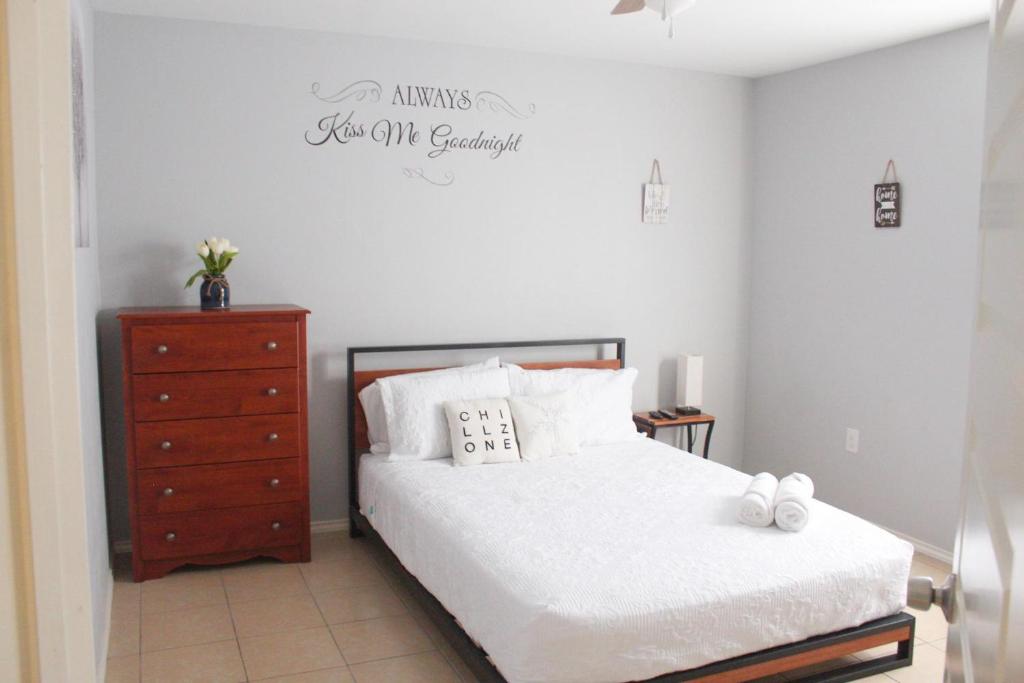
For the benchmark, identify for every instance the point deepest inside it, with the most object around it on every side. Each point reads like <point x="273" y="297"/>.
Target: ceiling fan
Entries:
<point x="666" y="8"/>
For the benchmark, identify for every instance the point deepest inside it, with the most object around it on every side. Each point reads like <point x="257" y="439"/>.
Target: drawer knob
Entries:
<point x="171" y="536"/>
<point x="272" y="346"/>
<point x="165" y="445"/>
<point x="272" y="436"/>
<point x="164" y="398"/>
<point x="168" y="491"/>
<point x="274" y="483"/>
<point x="275" y="526"/>
<point x="272" y="391"/>
<point x="161" y="349"/>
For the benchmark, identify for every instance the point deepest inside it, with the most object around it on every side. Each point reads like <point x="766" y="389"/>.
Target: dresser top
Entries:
<point x="194" y="312"/>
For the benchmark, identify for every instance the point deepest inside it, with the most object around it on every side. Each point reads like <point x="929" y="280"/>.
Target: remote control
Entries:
<point x="667" y="415"/>
<point x="656" y="414"/>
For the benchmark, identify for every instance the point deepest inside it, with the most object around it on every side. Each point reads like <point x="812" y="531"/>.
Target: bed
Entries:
<point x="625" y="563"/>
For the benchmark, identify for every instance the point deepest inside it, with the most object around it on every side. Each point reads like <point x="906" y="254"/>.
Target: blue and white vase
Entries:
<point x="214" y="293"/>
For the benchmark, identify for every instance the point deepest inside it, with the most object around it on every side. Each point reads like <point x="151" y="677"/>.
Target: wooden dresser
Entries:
<point x="216" y="435"/>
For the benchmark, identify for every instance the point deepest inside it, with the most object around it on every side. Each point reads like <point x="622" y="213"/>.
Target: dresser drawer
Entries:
<point x="215" y="394"/>
<point x="208" y="487"/>
<point x="214" y="346"/>
<point x="222" y="439"/>
<point x="220" y="531"/>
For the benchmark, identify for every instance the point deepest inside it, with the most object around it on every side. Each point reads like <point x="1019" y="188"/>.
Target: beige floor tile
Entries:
<point x="123" y="669"/>
<point x="209" y="663"/>
<point x="931" y="625"/>
<point x="124" y="634"/>
<point x="921" y="568"/>
<point x="929" y="664"/>
<point x="260" y="617"/>
<point x="356" y="604"/>
<point x="939" y="644"/>
<point x="876" y="652"/>
<point x="338" y="675"/>
<point x="126" y="596"/>
<point x="182" y="590"/>
<point x="458" y="664"/>
<point x="263" y="581"/>
<point x="426" y="667"/>
<point x="938" y="564"/>
<point x="193" y="626"/>
<point x="350" y="571"/>
<point x="363" y="641"/>
<point x="326" y="546"/>
<point x="292" y="652"/>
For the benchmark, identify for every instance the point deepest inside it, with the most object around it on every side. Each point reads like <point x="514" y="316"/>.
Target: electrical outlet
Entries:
<point x="852" y="440"/>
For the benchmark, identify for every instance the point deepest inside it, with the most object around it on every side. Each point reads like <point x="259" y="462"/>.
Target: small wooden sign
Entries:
<point x="887" y="200"/>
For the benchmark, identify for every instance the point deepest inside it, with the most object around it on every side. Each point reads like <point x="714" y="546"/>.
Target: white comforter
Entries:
<point x="624" y="562"/>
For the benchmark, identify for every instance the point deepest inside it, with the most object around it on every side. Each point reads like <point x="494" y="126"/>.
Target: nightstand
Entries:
<point x="650" y="425"/>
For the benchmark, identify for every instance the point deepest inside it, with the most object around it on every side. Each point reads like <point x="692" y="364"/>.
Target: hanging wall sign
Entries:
<point x="656" y="194"/>
<point x="436" y="121"/>
<point x="887" y="200"/>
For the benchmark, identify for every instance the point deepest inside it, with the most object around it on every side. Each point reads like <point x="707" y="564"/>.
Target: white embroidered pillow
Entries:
<point x="603" y="398"/>
<point x="482" y="431"/>
<point x="414" y="408"/>
<point x="546" y="425"/>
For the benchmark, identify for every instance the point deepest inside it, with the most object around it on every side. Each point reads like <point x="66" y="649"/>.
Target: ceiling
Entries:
<point x="740" y="37"/>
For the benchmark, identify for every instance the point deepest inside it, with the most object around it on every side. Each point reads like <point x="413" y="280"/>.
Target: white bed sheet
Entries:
<point x="624" y="562"/>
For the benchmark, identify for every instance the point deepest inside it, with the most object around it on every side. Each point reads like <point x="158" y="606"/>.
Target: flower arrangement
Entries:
<point x="217" y="253"/>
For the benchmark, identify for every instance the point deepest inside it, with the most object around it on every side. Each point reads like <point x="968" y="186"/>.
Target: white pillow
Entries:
<point x="545" y="425"/>
<point x="603" y="398"/>
<point x="414" y="407"/>
<point x="373" y="407"/>
<point x="481" y="431"/>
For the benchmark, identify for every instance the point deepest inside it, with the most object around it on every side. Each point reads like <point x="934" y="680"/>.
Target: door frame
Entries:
<point x="39" y="300"/>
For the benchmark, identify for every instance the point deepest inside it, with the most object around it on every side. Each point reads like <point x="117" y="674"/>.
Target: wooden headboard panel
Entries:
<point x="360" y="379"/>
<point x="364" y="378"/>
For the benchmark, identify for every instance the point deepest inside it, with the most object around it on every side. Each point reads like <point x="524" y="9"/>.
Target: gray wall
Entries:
<point x="87" y="289"/>
<point x="857" y="327"/>
<point x="200" y="131"/>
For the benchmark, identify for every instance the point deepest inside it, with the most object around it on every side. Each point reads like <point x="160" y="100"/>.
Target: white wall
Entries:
<point x="853" y="326"/>
<point x="200" y="132"/>
<point x="87" y="288"/>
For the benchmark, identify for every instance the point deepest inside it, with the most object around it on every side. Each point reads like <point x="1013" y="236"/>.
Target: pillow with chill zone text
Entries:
<point x="481" y="431"/>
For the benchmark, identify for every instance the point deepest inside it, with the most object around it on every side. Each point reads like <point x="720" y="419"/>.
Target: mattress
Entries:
<point x="623" y="562"/>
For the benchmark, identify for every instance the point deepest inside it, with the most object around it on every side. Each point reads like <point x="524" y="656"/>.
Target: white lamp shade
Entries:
<point x="690" y="381"/>
<point x="670" y="8"/>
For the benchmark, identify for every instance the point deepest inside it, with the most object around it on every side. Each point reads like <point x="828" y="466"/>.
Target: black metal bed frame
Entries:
<point x="476" y="658"/>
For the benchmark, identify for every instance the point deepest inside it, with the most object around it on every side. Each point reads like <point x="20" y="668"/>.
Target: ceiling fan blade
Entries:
<point x="628" y="6"/>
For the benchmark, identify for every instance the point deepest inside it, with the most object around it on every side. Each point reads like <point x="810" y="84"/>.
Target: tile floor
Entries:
<point x="342" y="618"/>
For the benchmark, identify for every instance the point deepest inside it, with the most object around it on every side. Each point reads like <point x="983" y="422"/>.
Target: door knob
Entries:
<point x="274" y="483"/>
<point x="275" y="526"/>
<point x="168" y="491"/>
<point x="161" y="349"/>
<point x="922" y="594"/>
<point x="272" y="436"/>
<point x="164" y="398"/>
<point x="272" y="391"/>
<point x="272" y="346"/>
<point x="165" y="445"/>
<point x="171" y="536"/>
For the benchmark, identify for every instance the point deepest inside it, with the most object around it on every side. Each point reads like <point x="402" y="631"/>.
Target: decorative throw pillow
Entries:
<point x="482" y="431"/>
<point x="373" y="406"/>
<point x="546" y="425"/>
<point x="603" y="398"/>
<point x="414" y="408"/>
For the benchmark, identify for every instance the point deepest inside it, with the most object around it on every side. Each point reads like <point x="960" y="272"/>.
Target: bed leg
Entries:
<point x="353" y="526"/>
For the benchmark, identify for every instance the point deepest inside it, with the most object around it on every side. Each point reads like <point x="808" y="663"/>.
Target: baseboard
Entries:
<point x="324" y="526"/>
<point x="924" y="548"/>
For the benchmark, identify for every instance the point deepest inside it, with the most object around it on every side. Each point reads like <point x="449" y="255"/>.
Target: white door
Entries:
<point x="986" y="636"/>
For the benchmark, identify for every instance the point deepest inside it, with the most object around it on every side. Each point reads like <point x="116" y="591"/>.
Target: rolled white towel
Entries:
<point x="758" y="503"/>
<point x="793" y="502"/>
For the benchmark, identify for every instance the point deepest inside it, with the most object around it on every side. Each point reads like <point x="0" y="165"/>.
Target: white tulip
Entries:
<point x="232" y="250"/>
<point x="212" y="242"/>
<point x="225" y="245"/>
<point x="202" y="249"/>
<point x="216" y="246"/>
